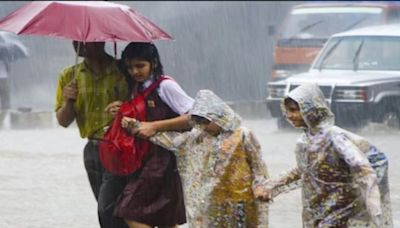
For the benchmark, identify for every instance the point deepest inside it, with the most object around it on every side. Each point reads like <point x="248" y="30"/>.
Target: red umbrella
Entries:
<point x="86" y="21"/>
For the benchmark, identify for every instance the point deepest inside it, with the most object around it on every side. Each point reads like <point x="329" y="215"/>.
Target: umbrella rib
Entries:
<point x="164" y="34"/>
<point x="32" y="20"/>
<point x="147" y="32"/>
<point x="129" y="16"/>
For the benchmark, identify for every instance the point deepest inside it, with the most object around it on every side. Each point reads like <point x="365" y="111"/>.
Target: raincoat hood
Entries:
<point x="213" y="108"/>
<point x="313" y="107"/>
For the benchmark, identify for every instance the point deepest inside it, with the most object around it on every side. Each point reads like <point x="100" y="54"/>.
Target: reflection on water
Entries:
<point x="43" y="180"/>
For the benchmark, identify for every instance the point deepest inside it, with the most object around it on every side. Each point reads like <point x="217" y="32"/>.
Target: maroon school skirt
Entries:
<point x="154" y="194"/>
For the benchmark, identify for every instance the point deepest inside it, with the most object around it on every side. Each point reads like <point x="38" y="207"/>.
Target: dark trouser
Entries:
<point x="4" y="94"/>
<point x="106" y="187"/>
<point x="93" y="166"/>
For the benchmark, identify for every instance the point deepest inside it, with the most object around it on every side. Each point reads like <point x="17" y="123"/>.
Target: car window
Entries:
<point x="342" y="54"/>
<point x="306" y="23"/>
<point x="361" y="53"/>
<point x="393" y="16"/>
<point x="381" y="53"/>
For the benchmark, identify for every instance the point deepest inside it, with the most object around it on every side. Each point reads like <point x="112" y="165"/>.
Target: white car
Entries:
<point x="359" y="73"/>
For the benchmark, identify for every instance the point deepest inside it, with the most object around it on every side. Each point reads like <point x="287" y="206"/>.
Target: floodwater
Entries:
<point x="44" y="184"/>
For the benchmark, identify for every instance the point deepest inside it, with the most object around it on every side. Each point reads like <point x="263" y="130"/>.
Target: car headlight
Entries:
<point x="352" y="94"/>
<point x="280" y="74"/>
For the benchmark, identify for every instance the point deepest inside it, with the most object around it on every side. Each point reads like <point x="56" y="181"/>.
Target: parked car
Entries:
<point x="309" y="25"/>
<point x="359" y="73"/>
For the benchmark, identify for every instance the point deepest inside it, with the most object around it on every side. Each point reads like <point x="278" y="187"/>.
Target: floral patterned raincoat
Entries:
<point x="344" y="178"/>
<point x="219" y="173"/>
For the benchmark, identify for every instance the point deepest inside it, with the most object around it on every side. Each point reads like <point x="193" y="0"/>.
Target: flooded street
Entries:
<point x="44" y="184"/>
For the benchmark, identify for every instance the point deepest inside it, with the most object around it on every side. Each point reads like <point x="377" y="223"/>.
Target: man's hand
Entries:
<point x="70" y="91"/>
<point x="113" y="107"/>
<point x="66" y="114"/>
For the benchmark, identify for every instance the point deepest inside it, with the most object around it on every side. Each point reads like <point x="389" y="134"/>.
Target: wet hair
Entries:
<point x="142" y="51"/>
<point x="289" y="100"/>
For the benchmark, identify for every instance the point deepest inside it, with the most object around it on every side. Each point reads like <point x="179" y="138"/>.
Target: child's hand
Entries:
<point x="146" y="129"/>
<point x="130" y="124"/>
<point x="263" y="193"/>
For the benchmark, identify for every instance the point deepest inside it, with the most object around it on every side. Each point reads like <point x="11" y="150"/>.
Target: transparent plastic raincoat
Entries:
<point x="344" y="178"/>
<point x="219" y="173"/>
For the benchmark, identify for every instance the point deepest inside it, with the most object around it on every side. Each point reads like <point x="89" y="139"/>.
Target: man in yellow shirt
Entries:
<point x="84" y="92"/>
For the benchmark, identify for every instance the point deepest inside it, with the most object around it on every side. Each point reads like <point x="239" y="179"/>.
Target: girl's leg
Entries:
<point x="133" y="224"/>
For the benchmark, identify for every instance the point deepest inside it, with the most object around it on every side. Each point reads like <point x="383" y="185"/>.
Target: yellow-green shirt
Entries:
<point x="95" y="92"/>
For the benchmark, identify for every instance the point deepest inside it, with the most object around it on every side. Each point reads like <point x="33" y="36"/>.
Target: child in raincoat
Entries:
<point x="343" y="177"/>
<point x="220" y="164"/>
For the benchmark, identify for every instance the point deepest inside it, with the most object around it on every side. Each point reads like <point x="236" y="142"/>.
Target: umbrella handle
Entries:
<point x="115" y="50"/>
<point x="76" y="61"/>
<point x="75" y="70"/>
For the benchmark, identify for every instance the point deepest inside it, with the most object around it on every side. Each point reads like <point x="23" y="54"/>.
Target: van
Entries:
<point x="308" y="26"/>
<point x="359" y="74"/>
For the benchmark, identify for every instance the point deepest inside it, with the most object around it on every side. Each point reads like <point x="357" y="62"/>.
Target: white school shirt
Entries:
<point x="172" y="94"/>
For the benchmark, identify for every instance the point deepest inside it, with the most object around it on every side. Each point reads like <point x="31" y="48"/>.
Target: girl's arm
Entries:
<point x="170" y="140"/>
<point x="286" y="182"/>
<point x="148" y="129"/>
<point x="364" y="175"/>
<point x="176" y="98"/>
<point x="269" y="188"/>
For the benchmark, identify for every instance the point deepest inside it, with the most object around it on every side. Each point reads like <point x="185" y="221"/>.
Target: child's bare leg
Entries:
<point x="176" y="226"/>
<point x="133" y="224"/>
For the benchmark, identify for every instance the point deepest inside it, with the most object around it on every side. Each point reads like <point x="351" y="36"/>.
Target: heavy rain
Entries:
<point x="226" y="47"/>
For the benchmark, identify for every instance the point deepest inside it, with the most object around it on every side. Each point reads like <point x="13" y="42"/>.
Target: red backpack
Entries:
<point x="120" y="152"/>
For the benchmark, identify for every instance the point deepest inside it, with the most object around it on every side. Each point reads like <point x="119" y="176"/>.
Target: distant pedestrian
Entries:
<point x="4" y="85"/>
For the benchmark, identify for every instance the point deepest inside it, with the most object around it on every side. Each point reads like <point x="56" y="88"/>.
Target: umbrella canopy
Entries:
<point x="86" y="21"/>
<point x="11" y="48"/>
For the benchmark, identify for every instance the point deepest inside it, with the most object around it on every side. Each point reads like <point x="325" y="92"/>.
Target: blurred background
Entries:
<point x="222" y="46"/>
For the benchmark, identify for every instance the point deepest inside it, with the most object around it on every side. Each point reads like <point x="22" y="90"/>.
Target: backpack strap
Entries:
<point x="154" y="85"/>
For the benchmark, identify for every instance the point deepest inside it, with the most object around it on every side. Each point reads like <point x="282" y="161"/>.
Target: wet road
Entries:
<point x="44" y="184"/>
